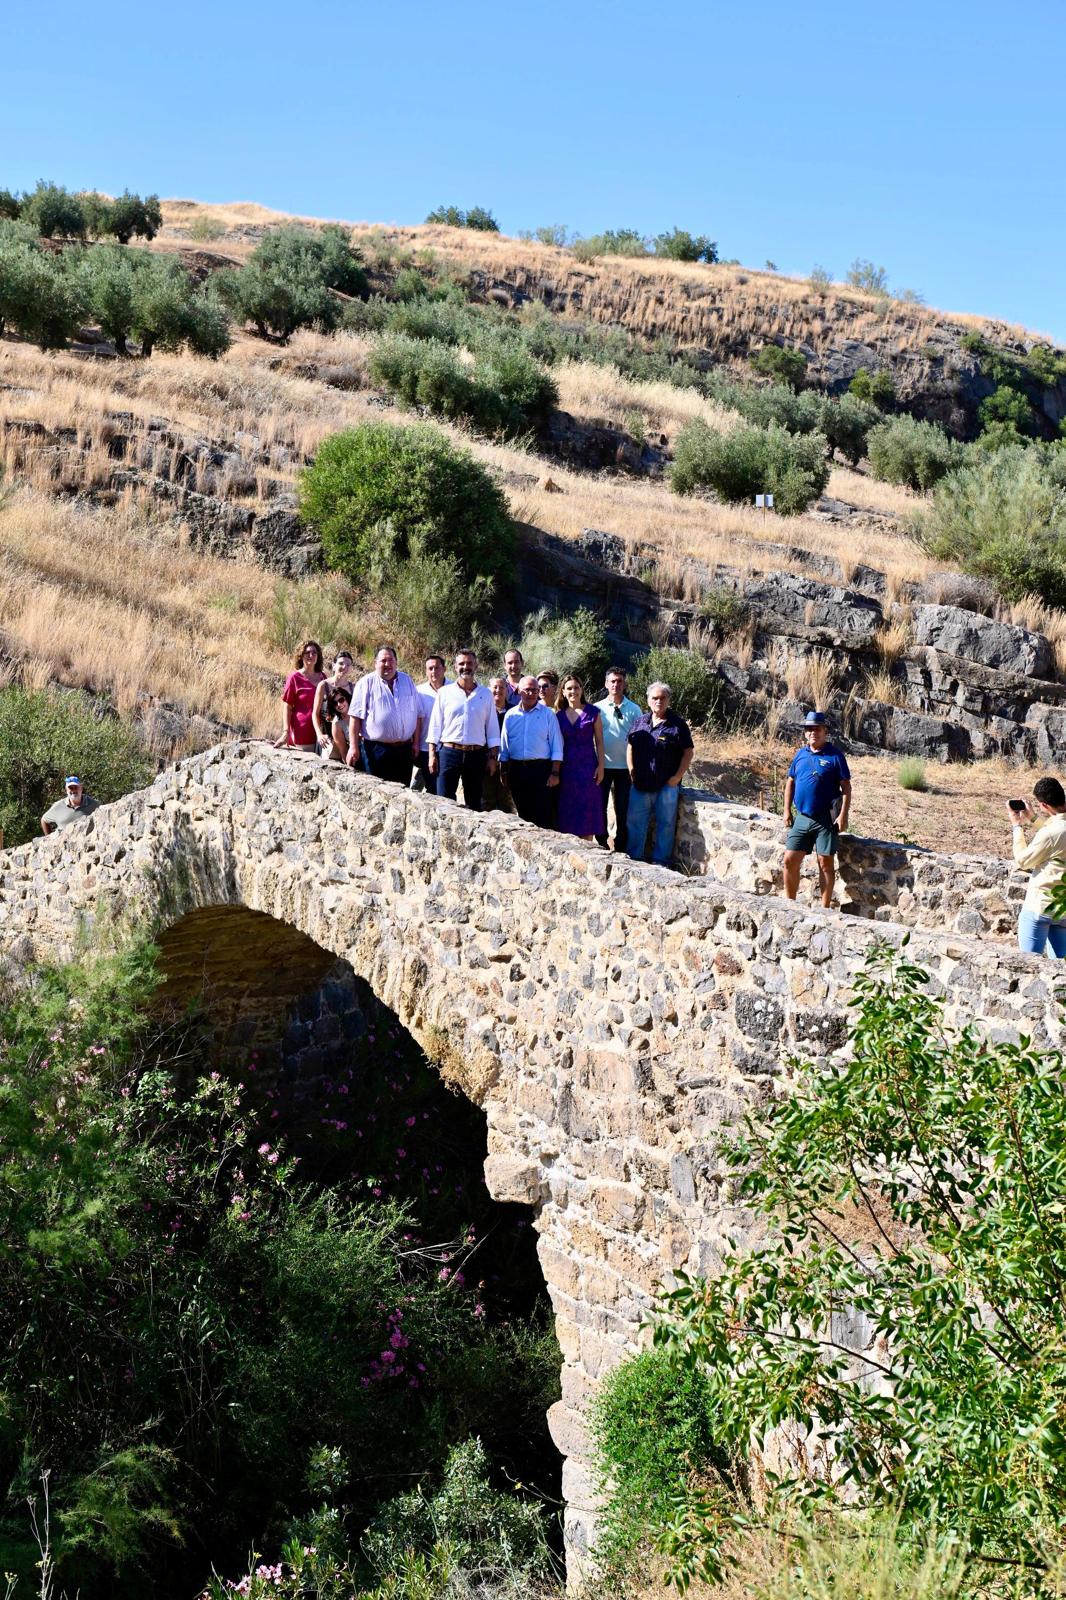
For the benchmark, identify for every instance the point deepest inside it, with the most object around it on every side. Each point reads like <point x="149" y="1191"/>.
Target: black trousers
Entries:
<point x="468" y="765"/>
<point x="528" y="781"/>
<point x="618" y="780"/>
<point x="393" y="762"/>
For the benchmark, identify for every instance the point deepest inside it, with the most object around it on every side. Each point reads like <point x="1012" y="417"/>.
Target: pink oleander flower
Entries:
<point x="264" y="1149"/>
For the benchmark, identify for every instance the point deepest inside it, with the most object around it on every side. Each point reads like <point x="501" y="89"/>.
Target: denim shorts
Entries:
<point x="807" y="834"/>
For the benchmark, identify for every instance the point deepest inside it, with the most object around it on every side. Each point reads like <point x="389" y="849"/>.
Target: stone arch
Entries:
<point x="609" y="1018"/>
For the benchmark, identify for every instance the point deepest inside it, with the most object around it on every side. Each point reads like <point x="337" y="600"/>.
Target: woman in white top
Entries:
<point x="341" y="675"/>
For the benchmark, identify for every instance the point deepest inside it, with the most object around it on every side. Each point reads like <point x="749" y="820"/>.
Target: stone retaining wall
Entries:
<point x="975" y="895"/>
<point x="608" y="1017"/>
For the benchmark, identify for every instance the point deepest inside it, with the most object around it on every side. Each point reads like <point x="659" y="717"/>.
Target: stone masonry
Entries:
<point x="737" y="844"/>
<point x="608" y="1017"/>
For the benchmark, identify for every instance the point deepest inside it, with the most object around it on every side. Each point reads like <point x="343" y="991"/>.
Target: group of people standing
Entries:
<point x="524" y="742"/>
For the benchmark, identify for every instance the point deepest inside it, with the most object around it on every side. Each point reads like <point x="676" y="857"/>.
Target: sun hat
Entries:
<point x="814" y="719"/>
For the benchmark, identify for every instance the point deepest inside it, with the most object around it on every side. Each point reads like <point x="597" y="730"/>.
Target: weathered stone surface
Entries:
<point x="995" y="644"/>
<point x="816" y="605"/>
<point x="699" y="989"/>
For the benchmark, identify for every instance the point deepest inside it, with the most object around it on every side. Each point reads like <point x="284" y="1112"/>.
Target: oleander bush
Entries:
<point x="574" y="642"/>
<point x="378" y="493"/>
<point x="503" y="393"/>
<point x="785" y="365"/>
<point x="216" y="1294"/>
<point x="750" y="461"/>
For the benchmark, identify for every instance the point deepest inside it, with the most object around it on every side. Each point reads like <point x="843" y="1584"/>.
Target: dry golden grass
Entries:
<point x="603" y="393"/>
<point x="108" y="602"/>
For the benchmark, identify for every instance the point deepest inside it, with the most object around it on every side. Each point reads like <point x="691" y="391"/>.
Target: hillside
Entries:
<point x="150" y="549"/>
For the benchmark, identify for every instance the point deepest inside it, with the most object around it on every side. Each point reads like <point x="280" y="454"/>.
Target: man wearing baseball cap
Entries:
<point x="820" y="784"/>
<point x="76" y="806"/>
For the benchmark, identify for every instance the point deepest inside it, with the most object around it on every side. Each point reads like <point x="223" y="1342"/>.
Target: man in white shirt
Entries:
<point x="427" y="695"/>
<point x="531" y="753"/>
<point x="1044" y="855"/>
<point x="464" y="737"/>
<point x="385" y="721"/>
<point x="617" y="716"/>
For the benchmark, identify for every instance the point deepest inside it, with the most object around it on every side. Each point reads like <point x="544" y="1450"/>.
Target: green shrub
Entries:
<point x="864" y="275"/>
<point x="289" y="279"/>
<point x="430" y="599"/>
<point x="478" y="218"/>
<point x="44" y="736"/>
<point x="652" y="1427"/>
<point x="1007" y="406"/>
<point x="53" y="212"/>
<point x="10" y="206"/>
<point x="407" y="490"/>
<point x="917" y="454"/>
<point x="554" y="234"/>
<point x="615" y="242"/>
<point x="724" y="609"/>
<point x="507" y="394"/>
<point x="910" y="774"/>
<point x="820" y="281"/>
<point x="679" y="245"/>
<point x="784" y="365"/>
<point x="497" y="1535"/>
<point x="204" y="228"/>
<point x="846" y="424"/>
<point x="751" y="461"/>
<point x="574" y="642"/>
<point x="1002" y="516"/>
<point x="695" y="687"/>
<point x="951" y="1143"/>
<point x="763" y="404"/>
<point x="877" y="387"/>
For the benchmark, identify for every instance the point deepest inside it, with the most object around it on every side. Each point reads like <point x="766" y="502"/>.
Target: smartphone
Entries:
<point x="1017" y="805"/>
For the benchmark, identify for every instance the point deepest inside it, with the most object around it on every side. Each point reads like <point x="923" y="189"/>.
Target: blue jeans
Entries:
<point x="660" y="804"/>
<point x="1036" y="933"/>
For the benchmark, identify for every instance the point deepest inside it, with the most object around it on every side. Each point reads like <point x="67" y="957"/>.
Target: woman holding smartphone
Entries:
<point x="1044" y="856"/>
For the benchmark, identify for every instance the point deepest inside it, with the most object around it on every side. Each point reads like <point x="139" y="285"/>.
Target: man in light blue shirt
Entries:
<point x="618" y="715"/>
<point x="531" y="753"/>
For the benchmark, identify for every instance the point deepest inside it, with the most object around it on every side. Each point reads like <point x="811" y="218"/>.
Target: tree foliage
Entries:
<point x="680" y="245"/>
<point x="750" y="461"/>
<point x="379" y="495"/>
<point x="785" y="365"/>
<point x="904" y="1323"/>
<point x="290" y="280"/>
<point x="478" y="218"/>
<point x="44" y="735"/>
<point x="1002" y="516"/>
<point x="916" y="454"/>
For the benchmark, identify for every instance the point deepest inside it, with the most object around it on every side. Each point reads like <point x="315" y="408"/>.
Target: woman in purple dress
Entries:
<point x="580" y="806"/>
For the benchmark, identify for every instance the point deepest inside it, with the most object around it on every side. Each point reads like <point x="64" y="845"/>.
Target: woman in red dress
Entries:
<point x="298" y="698"/>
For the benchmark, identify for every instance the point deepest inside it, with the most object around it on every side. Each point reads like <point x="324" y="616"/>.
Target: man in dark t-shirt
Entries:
<point x="659" y="753"/>
<point x="820" y="784"/>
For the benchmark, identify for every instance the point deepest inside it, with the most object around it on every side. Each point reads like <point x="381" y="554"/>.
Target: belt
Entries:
<point x="448" y="746"/>
<point x="529" y="761"/>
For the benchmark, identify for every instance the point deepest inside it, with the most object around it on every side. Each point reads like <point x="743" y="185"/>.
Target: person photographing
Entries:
<point x="1044" y="856"/>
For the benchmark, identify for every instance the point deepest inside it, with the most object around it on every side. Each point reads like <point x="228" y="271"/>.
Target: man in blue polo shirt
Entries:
<point x="820" y="784"/>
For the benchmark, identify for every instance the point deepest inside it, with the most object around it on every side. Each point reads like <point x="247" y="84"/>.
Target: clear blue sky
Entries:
<point x="926" y="136"/>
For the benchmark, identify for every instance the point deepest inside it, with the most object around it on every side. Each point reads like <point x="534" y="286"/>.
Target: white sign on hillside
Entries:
<point x="766" y="501"/>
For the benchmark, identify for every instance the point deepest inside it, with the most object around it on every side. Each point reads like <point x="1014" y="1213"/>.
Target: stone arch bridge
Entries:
<point x="607" y="1017"/>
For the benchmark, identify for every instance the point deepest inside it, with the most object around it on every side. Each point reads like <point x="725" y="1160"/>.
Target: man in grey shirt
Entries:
<point x="76" y="806"/>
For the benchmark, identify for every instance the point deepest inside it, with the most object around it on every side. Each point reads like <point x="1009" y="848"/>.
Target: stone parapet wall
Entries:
<point x="610" y="1018"/>
<point x="979" y="896"/>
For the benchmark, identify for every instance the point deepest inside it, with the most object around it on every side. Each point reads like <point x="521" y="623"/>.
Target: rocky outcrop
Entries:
<point x="847" y="612"/>
<point x="1001" y="645"/>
